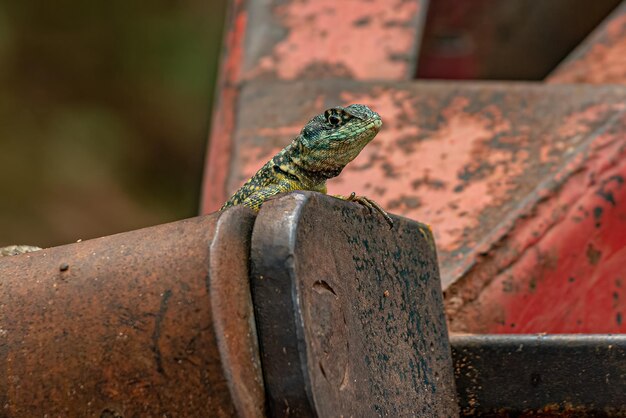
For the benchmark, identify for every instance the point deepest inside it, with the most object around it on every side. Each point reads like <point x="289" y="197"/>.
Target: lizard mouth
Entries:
<point x="372" y="125"/>
<point x="378" y="123"/>
<point x="347" y="149"/>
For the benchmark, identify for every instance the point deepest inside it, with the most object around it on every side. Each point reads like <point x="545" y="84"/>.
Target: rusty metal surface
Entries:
<point x="560" y="269"/>
<point x="358" y="39"/>
<point x="599" y="59"/>
<point x="541" y="375"/>
<point x="468" y="159"/>
<point x="504" y="39"/>
<point x="152" y="323"/>
<point x="349" y="313"/>
<point x="297" y="39"/>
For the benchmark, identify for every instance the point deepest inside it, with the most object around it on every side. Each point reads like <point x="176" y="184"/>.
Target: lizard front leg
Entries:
<point x="365" y="201"/>
<point x="368" y="203"/>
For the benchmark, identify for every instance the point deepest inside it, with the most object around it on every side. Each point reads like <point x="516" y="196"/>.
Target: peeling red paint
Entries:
<point x="517" y="180"/>
<point x="351" y="38"/>
<point x="459" y="142"/>
<point x="469" y="160"/>
<point x="561" y="269"/>
<point x="600" y="59"/>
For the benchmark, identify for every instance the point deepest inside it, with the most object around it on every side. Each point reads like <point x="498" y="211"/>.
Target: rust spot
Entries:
<point x="109" y="413"/>
<point x="405" y="202"/>
<point x="597" y="215"/>
<point x="156" y="333"/>
<point x="606" y="189"/>
<point x="364" y="21"/>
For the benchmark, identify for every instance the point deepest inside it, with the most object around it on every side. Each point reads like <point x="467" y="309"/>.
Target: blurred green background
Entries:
<point x="104" y="114"/>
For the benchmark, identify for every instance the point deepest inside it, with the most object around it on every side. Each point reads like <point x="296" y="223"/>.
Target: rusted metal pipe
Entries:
<point x="151" y="323"/>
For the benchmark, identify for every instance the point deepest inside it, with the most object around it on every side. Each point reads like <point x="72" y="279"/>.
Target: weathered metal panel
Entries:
<point x="467" y="159"/>
<point x="349" y="312"/>
<point x="152" y="323"/>
<point x="541" y="375"/>
<point x="560" y="268"/>
<point x="358" y="39"/>
<point x="601" y="58"/>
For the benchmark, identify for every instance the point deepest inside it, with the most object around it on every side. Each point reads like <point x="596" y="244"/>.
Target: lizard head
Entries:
<point x="334" y="138"/>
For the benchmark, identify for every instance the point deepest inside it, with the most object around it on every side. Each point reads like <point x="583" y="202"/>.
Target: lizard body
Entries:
<point x="326" y="144"/>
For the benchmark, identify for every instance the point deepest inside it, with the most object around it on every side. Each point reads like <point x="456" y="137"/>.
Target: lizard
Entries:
<point x="325" y="145"/>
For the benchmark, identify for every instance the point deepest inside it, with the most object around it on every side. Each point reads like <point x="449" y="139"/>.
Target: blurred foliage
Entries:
<point x="104" y="112"/>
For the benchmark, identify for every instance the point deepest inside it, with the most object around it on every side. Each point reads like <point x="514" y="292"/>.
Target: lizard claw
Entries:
<point x="362" y="200"/>
<point x="370" y="205"/>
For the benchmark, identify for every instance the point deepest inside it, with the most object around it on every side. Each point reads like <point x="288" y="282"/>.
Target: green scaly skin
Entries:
<point x="326" y="144"/>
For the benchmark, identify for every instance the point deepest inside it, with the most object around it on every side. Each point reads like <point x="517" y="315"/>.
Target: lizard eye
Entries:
<point x="336" y="117"/>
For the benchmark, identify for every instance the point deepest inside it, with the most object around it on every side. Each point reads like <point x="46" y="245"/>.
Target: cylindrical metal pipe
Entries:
<point x="151" y="323"/>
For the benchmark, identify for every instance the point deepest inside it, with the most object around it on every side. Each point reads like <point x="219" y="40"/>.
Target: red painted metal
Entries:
<point x="223" y="122"/>
<point x="494" y="168"/>
<point x="601" y="58"/>
<point x="327" y="38"/>
<point x="570" y="271"/>
<point x="306" y="39"/>
<point x="561" y="269"/>
<point x="469" y="160"/>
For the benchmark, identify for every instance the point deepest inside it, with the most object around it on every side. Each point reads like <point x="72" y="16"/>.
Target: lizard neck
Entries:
<point x="288" y="162"/>
<point x="307" y="167"/>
